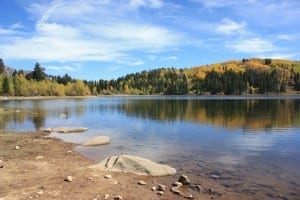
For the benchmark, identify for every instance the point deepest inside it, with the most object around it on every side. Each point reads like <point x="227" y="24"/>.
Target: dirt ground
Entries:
<point x="37" y="170"/>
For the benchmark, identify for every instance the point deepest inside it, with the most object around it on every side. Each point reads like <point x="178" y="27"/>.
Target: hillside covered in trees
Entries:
<point x="247" y="76"/>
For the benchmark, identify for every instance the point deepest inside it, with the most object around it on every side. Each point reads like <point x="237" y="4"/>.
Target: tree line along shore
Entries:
<point x="247" y="76"/>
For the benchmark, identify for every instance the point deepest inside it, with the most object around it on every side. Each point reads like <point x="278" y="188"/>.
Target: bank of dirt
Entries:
<point x="38" y="168"/>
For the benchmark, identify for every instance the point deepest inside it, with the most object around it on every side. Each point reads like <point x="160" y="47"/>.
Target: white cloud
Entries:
<point x="230" y="27"/>
<point x="89" y="31"/>
<point x="252" y="45"/>
<point x="64" y="68"/>
<point x="146" y="3"/>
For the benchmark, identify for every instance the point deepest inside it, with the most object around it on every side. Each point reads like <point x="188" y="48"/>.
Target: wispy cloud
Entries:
<point x="86" y="35"/>
<point x="252" y="46"/>
<point x="170" y="58"/>
<point x="229" y="27"/>
<point x="64" y="68"/>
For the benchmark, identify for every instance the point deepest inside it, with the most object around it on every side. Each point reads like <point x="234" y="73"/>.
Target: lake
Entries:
<point x="247" y="144"/>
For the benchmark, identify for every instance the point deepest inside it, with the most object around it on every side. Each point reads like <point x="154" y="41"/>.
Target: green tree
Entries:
<point x="38" y="72"/>
<point x="2" y="66"/>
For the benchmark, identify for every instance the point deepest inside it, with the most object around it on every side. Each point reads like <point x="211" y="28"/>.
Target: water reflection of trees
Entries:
<point x="247" y="114"/>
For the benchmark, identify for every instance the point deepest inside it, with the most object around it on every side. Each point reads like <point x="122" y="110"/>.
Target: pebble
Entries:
<point x="106" y="196"/>
<point x="189" y="196"/>
<point x="1" y="161"/>
<point x="1" y="166"/>
<point x="115" y="182"/>
<point x="153" y="188"/>
<point x="39" y="157"/>
<point x="142" y="182"/>
<point x="176" y="190"/>
<point x="108" y="176"/>
<point x="214" y="176"/>
<point x="69" y="152"/>
<point x="161" y="192"/>
<point x="197" y="188"/>
<point x="17" y="147"/>
<point x="69" y="179"/>
<point x="161" y="187"/>
<point x="184" y="180"/>
<point x="40" y="192"/>
<point x="177" y="184"/>
<point x="117" y="197"/>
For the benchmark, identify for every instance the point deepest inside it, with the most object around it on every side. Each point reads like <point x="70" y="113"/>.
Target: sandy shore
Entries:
<point x="38" y="168"/>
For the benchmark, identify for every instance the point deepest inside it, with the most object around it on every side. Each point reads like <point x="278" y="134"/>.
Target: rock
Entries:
<point x="184" y="180"/>
<point x="17" y="147"/>
<point x="39" y="157"/>
<point x="197" y="188"/>
<point x="153" y="188"/>
<point x="106" y="196"/>
<point x="117" y="197"/>
<point x="47" y="130"/>
<point x="161" y="187"/>
<point x="161" y="193"/>
<point x="99" y="140"/>
<point x="69" y="152"/>
<point x="115" y="182"/>
<point x="176" y="190"/>
<point x="1" y="166"/>
<point x="190" y="196"/>
<point x="214" y="176"/>
<point x="142" y="182"/>
<point x="68" y="129"/>
<point x="108" y="176"/>
<point x="134" y="164"/>
<point x="40" y="192"/>
<point x="63" y="115"/>
<point x="177" y="184"/>
<point x="69" y="179"/>
<point x="1" y="161"/>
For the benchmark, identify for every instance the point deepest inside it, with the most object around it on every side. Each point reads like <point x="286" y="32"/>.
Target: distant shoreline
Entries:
<point x="6" y="98"/>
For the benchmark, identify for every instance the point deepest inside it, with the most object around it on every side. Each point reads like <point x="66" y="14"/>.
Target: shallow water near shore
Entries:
<point x="247" y="144"/>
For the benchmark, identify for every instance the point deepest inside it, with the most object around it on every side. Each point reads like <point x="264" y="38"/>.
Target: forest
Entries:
<point x="247" y="76"/>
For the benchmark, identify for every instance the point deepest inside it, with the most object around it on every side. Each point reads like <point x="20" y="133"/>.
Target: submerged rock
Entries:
<point x="99" y="140"/>
<point x="134" y="164"/>
<point x="68" y="129"/>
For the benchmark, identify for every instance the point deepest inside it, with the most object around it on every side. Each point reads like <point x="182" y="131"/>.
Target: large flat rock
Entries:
<point x="134" y="164"/>
<point x="98" y="140"/>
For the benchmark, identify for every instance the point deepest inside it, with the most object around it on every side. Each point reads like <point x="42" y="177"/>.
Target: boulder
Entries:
<point x="134" y="164"/>
<point x="99" y="140"/>
<point x="68" y="129"/>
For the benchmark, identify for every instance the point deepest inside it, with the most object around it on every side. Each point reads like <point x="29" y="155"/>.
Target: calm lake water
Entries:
<point x="251" y="144"/>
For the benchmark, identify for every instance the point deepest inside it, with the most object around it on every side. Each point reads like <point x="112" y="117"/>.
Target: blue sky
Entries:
<point x="104" y="39"/>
